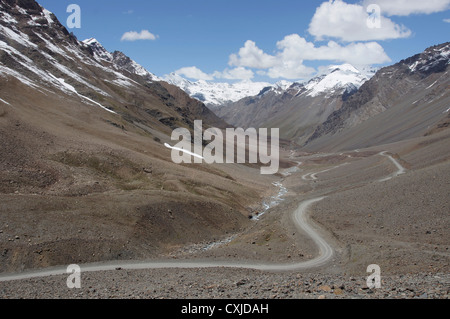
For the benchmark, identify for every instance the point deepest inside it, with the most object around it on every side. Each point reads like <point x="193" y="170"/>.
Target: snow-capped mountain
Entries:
<point x="414" y="90"/>
<point x="215" y="94"/>
<point x="299" y="107"/>
<point x="37" y="51"/>
<point x="54" y="50"/>
<point x="337" y="78"/>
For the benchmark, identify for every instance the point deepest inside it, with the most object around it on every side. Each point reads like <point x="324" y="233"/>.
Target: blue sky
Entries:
<point x="270" y="40"/>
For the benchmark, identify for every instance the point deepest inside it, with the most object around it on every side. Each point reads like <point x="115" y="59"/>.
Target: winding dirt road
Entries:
<point x="400" y="169"/>
<point x="313" y="176"/>
<point x="300" y="218"/>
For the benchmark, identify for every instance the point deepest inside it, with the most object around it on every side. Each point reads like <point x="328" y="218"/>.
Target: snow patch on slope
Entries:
<point x="1" y="100"/>
<point x="70" y="88"/>
<point x="6" y="17"/>
<point x="17" y="36"/>
<point x="47" y="15"/>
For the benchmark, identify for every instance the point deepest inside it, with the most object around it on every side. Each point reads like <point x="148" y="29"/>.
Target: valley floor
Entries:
<point x="386" y="205"/>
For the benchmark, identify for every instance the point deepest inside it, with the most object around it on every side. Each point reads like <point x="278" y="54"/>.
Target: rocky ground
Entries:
<point x="229" y="284"/>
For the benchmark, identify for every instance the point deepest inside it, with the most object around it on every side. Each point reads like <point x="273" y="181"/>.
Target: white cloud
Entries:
<point x="447" y="20"/>
<point x="295" y="47"/>
<point x="134" y="36"/>
<point x="253" y="57"/>
<point x="293" y="50"/>
<point x="292" y="70"/>
<point x="239" y="73"/>
<point x="195" y="73"/>
<point x="408" y="7"/>
<point x="349" y="22"/>
<point x="279" y="66"/>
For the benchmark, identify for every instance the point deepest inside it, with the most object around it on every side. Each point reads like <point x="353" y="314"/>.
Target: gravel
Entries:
<point x="228" y="284"/>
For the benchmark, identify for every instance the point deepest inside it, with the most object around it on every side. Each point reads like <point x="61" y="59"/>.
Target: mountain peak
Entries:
<point x="122" y="61"/>
<point x="344" y="68"/>
<point x="91" y="41"/>
<point x="337" y="79"/>
<point x="432" y="59"/>
<point x="100" y="53"/>
<point x="118" y="59"/>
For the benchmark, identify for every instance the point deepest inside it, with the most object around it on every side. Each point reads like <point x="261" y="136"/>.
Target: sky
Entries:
<point x="259" y="40"/>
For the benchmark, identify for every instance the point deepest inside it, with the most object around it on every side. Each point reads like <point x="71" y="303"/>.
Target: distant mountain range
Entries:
<point x="215" y="94"/>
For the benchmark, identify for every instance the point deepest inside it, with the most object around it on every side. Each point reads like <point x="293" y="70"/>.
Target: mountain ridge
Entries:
<point x="297" y="109"/>
<point x="387" y="89"/>
<point x="39" y="51"/>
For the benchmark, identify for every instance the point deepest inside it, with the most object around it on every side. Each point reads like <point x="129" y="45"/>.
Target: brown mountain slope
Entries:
<point x="84" y="174"/>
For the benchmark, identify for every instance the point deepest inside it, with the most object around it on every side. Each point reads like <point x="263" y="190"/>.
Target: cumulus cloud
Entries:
<point x="292" y="70"/>
<point x="293" y="50"/>
<point x="239" y="73"/>
<point x="295" y="47"/>
<point x="408" y="7"/>
<point x="250" y="56"/>
<point x="135" y="36"/>
<point x="195" y="73"/>
<point x="349" y="22"/>
<point x="447" y="20"/>
<point x="253" y="57"/>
